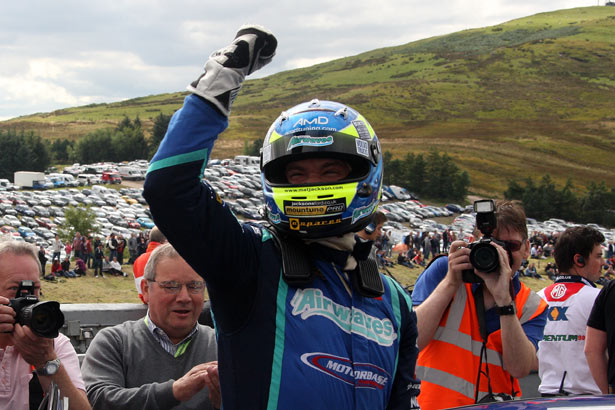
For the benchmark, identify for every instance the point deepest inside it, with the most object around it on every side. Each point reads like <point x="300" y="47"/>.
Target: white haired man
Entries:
<point x="165" y="360"/>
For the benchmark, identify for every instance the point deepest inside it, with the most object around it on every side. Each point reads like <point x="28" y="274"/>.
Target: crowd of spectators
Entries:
<point x="417" y="248"/>
<point x="106" y="255"/>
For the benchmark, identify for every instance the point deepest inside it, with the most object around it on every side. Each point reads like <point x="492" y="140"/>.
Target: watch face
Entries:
<point x="51" y="367"/>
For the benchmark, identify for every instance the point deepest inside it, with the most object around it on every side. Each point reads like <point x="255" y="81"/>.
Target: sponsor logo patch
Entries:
<point x="362" y="147"/>
<point x="266" y="154"/>
<point x="274" y="217"/>
<point x="314" y="208"/>
<point x="361" y="129"/>
<point x="362" y="212"/>
<point x="304" y="140"/>
<point x="556" y="313"/>
<point x="293" y="223"/>
<point x="311" y="302"/>
<point x="362" y="375"/>
<point x="563" y="338"/>
<point x="558" y="291"/>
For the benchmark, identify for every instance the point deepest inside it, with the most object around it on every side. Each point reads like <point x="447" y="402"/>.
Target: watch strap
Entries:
<point x="506" y="310"/>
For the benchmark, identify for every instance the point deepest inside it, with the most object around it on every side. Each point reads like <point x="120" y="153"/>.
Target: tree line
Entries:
<point x="26" y="151"/>
<point x="543" y="200"/>
<point x="435" y="176"/>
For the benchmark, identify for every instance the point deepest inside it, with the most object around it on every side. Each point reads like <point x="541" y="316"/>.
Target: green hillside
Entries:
<point x="527" y="97"/>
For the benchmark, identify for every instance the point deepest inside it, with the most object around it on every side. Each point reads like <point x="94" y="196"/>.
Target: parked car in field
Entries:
<point x="146" y="223"/>
<point x="111" y="178"/>
<point x="24" y="210"/>
<point x="45" y="222"/>
<point x="132" y="223"/>
<point x="25" y="232"/>
<point x="40" y="210"/>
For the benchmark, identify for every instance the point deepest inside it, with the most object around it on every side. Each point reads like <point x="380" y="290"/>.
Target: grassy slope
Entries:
<point x="527" y="97"/>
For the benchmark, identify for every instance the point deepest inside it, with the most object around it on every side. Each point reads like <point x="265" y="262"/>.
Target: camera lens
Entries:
<point x="44" y="318"/>
<point x="484" y="257"/>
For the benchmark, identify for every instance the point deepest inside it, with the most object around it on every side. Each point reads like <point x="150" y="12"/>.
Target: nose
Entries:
<point x="183" y="294"/>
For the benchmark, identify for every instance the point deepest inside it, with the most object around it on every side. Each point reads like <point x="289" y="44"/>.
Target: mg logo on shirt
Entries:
<point x="558" y="291"/>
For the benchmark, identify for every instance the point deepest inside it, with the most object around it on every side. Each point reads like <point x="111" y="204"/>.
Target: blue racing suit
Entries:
<point x="322" y="346"/>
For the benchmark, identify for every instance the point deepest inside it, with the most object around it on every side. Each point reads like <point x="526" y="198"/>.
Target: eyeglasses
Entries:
<point x="512" y="245"/>
<point x="172" y="287"/>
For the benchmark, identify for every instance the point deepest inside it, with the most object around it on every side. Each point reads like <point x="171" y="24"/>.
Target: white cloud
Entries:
<point x="307" y="62"/>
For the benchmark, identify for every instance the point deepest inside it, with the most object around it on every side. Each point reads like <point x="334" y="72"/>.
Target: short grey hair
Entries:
<point x="17" y="248"/>
<point x="164" y="251"/>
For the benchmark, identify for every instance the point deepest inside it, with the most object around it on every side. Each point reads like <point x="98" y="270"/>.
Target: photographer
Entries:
<point x="499" y="310"/>
<point x="22" y="350"/>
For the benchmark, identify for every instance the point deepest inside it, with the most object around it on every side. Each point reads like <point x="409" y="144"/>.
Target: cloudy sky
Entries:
<point x="64" y="53"/>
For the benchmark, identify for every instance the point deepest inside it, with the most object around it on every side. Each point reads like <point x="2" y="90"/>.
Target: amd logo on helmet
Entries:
<point x="314" y="121"/>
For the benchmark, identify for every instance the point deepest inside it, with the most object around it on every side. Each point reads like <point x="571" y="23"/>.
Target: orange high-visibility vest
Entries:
<point x="448" y="365"/>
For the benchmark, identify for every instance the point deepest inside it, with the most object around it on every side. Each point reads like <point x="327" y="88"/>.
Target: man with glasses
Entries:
<point x="165" y="360"/>
<point x="473" y="351"/>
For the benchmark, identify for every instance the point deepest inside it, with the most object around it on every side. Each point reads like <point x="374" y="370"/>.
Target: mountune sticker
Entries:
<point x="363" y="375"/>
<point x="314" y="208"/>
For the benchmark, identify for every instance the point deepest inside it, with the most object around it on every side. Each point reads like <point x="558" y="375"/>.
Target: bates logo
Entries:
<point x="361" y="375"/>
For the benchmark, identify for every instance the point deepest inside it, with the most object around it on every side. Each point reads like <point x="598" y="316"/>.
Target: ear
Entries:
<point x="526" y="249"/>
<point x="579" y="260"/>
<point x="145" y="290"/>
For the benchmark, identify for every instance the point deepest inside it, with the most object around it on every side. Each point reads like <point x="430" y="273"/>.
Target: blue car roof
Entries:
<point x="576" y="402"/>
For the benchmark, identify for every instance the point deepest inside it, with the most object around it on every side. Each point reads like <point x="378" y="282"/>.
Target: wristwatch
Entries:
<point x="50" y="368"/>
<point x="506" y="310"/>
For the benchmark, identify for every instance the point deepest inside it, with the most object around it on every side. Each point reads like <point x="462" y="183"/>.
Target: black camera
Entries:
<point x="483" y="255"/>
<point x="44" y="318"/>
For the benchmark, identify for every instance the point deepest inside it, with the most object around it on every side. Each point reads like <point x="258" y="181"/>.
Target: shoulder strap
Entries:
<point x="367" y="280"/>
<point x="297" y="267"/>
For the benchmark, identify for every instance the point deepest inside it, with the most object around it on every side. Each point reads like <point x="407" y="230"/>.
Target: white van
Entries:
<point x="130" y="173"/>
<point x="89" y="179"/>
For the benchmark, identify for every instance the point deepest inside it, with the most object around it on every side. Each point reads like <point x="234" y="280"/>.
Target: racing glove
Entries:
<point x="254" y="47"/>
